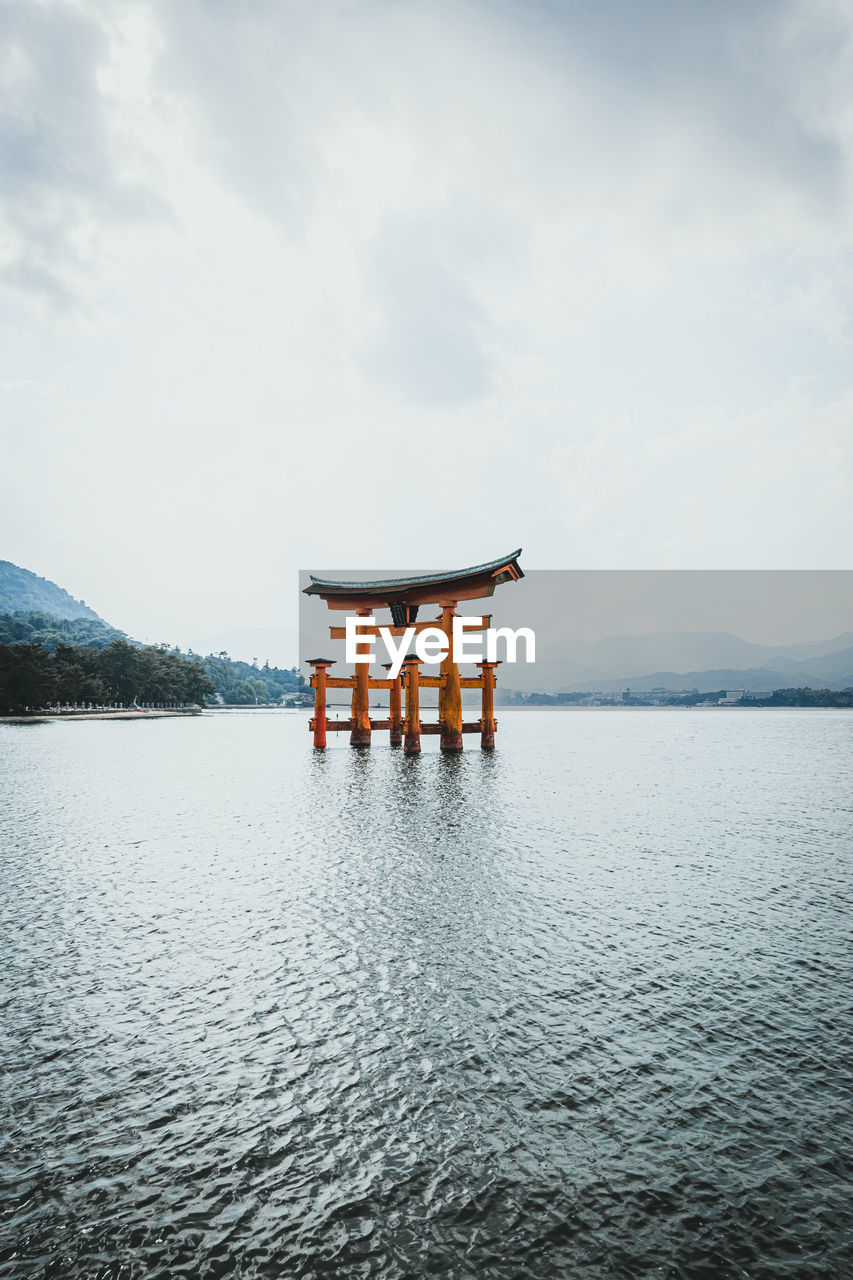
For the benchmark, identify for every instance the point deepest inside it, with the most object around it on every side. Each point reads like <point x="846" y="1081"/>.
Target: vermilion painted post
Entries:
<point x="318" y="680"/>
<point x="396" y="712"/>
<point x="487" y="724"/>
<point x="360" y="728"/>
<point x="412" y="741"/>
<point x="450" y="693"/>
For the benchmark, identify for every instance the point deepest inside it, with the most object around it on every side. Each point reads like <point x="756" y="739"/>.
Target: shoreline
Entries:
<point x="47" y="716"/>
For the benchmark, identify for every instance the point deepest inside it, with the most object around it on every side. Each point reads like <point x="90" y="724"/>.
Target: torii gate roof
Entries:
<point x="428" y="588"/>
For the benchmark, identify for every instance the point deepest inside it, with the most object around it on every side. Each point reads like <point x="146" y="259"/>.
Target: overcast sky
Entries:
<point x="285" y="285"/>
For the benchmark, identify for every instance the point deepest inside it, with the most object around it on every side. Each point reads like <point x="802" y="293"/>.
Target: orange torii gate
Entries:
<point x="404" y="596"/>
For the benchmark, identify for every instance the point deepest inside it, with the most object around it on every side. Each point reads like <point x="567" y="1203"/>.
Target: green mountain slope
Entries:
<point x="33" y="626"/>
<point x="21" y="591"/>
<point x="36" y="612"/>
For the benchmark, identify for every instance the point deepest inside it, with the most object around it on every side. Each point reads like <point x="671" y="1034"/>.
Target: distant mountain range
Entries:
<point x="674" y="660"/>
<point x="682" y="651"/>
<point x="704" y="660"/>
<point x="22" y="590"/>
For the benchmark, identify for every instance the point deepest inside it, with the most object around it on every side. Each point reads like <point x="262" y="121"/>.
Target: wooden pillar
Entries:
<point x="318" y="680"/>
<point x="450" y="693"/>
<point x="412" y="740"/>
<point x="360" y="727"/>
<point x="487" y="723"/>
<point x="396" y="711"/>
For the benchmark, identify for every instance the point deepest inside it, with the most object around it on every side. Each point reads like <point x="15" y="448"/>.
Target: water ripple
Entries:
<point x="580" y="1007"/>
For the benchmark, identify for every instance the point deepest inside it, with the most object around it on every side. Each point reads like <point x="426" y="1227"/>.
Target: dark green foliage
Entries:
<point x="33" y="626"/>
<point x="693" y="698"/>
<point x="241" y="684"/>
<point x="780" y="698"/>
<point x="33" y="679"/>
<point x="512" y="698"/>
<point x="27" y="677"/>
<point x="238" y="683"/>
<point x="22" y="590"/>
<point x="803" y="698"/>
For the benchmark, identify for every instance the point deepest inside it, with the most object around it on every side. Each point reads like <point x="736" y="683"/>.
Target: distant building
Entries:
<point x="730" y="696"/>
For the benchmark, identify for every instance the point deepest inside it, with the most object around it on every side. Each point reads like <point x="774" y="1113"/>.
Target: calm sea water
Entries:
<point x="578" y="1008"/>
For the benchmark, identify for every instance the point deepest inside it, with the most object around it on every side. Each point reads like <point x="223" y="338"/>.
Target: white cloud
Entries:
<point x="764" y="487"/>
<point x="349" y="283"/>
<point x="63" y="183"/>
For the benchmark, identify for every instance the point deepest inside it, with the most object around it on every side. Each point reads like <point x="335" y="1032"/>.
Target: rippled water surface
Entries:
<point x="578" y="1008"/>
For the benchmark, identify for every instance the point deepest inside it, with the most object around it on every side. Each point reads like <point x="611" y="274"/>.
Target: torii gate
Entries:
<point x="404" y="596"/>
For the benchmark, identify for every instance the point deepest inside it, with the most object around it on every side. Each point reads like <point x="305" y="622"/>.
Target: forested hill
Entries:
<point x="21" y="590"/>
<point x="76" y="642"/>
<point x="244" y="684"/>
<point x="35" y="611"/>
<point x="34" y="626"/>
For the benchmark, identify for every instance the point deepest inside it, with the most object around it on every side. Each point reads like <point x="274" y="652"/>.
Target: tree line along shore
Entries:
<point x="47" y="662"/>
<point x="778" y="698"/>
